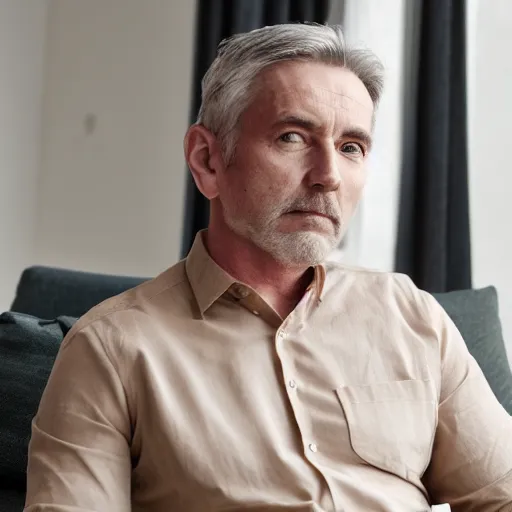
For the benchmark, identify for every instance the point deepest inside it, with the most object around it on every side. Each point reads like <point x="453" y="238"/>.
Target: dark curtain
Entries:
<point x="433" y="243"/>
<point x="216" y="20"/>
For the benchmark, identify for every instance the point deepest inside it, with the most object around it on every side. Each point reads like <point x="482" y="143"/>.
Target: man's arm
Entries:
<point x="471" y="465"/>
<point x="79" y="453"/>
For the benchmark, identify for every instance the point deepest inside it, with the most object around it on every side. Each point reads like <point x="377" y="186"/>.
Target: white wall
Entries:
<point x="22" y="37"/>
<point x="490" y="164"/>
<point x="118" y="84"/>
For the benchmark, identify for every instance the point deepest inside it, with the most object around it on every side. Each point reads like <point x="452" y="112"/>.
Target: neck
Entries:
<point x="282" y="286"/>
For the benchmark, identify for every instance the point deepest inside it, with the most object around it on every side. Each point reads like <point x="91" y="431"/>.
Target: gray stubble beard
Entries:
<point x="290" y="249"/>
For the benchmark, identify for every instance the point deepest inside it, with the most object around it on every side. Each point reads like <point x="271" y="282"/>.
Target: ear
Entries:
<point x="204" y="158"/>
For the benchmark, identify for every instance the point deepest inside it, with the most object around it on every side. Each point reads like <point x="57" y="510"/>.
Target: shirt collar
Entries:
<point x="318" y="283"/>
<point x="209" y="281"/>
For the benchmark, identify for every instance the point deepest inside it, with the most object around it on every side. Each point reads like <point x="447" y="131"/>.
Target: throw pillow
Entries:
<point x="28" y="347"/>
<point x="475" y="313"/>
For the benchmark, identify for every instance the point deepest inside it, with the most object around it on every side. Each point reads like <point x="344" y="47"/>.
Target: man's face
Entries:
<point x="300" y="162"/>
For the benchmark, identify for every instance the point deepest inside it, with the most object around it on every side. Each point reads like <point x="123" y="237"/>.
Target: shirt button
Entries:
<point x="292" y="384"/>
<point x="313" y="447"/>
<point x="281" y="335"/>
<point x="240" y="291"/>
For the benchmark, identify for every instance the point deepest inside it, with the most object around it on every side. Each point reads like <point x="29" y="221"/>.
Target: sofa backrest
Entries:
<point x="47" y="292"/>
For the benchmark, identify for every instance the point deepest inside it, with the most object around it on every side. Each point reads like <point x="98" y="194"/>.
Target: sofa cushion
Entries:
<point x="48" y="292"/>
<point x="475" y="313"/>
<point x="28" y="347"/>
<point x="11" y="500"/>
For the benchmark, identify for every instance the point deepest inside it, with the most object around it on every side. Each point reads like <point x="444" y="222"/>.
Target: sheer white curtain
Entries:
<point x="379" y="25"/>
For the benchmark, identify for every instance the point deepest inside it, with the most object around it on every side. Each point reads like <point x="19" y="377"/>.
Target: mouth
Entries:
<point x="311" y="213"/>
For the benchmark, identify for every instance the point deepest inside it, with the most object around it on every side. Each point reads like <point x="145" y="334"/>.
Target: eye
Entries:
<point x="353" y="148"/>
<point x="291" y="138"/>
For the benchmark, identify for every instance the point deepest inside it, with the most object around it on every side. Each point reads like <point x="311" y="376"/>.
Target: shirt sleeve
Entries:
<point x="471" y="464"/>
<point x="79" y="453"/>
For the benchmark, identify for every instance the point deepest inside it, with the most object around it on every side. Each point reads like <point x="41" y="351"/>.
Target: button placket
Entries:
<point x="295" y="400"/>
<point x="291" y="385"/>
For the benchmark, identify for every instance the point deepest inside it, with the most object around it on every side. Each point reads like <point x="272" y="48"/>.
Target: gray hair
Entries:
<point x="226" y="86"/>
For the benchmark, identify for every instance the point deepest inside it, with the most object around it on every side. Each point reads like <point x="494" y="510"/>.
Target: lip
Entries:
<point x="311" y="212"/>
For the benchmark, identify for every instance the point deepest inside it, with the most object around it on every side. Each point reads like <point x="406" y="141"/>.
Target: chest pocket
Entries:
<point x="392" y="424"/>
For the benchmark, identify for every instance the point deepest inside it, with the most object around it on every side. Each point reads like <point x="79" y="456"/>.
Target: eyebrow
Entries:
<point x="308" y="124"/>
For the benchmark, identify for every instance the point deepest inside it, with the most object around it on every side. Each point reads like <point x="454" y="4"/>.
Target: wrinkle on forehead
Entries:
<point x="321" y="104"/>
<point x="322" y="96"/>
<point x="314" y="76"/>
<point x="351" y="97"/>
<point x="311" y="87"/>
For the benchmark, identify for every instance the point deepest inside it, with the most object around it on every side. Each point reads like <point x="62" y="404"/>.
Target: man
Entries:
<point x="253" y="376"/>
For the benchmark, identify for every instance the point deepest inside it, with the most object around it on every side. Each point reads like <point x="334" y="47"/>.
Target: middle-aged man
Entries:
<point x="253" y="375"/>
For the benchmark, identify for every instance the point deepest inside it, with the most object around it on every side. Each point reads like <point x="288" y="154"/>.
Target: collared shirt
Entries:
<point x="190" y="393"/>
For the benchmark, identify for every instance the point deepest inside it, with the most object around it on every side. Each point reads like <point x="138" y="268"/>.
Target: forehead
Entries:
<point x="324" y="91"/>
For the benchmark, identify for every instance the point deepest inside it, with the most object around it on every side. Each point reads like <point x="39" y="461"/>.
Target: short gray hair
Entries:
<point x="226" y="86"/>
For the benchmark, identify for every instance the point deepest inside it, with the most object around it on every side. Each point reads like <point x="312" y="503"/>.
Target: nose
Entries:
<point x="325" y="172"/>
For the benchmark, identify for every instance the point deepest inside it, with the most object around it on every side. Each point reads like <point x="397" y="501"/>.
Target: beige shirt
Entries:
<point x="189" y="393"/>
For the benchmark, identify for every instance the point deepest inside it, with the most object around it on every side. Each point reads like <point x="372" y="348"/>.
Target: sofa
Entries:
<point x="48" y="301"/>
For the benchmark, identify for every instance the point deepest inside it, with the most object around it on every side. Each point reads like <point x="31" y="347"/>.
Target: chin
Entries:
<point x="301" y="248"/>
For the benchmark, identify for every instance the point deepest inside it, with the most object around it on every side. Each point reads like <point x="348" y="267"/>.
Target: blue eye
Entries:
<point x="352" y="148"/>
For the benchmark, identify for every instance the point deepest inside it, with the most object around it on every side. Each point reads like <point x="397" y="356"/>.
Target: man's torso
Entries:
<point x="234" y="408"/>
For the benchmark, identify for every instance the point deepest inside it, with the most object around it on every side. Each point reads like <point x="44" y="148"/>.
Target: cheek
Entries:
<point x="268" y="179"/>
<point x="353" y="185"/>
<point x="264" y="176"/>
<point x="248" y="191"/>
<point x="233" y="190"/>
<point x="359" y="182"/>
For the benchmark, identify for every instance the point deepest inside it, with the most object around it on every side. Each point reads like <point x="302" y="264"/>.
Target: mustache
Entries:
<point x="318" y="204"/>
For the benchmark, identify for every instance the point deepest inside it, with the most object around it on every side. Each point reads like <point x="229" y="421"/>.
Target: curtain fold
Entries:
<point x="216" y="20"/>
<point x="433" y="242"/>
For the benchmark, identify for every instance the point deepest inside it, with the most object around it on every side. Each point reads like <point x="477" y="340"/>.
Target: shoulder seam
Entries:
<point x="72" y="332"/>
